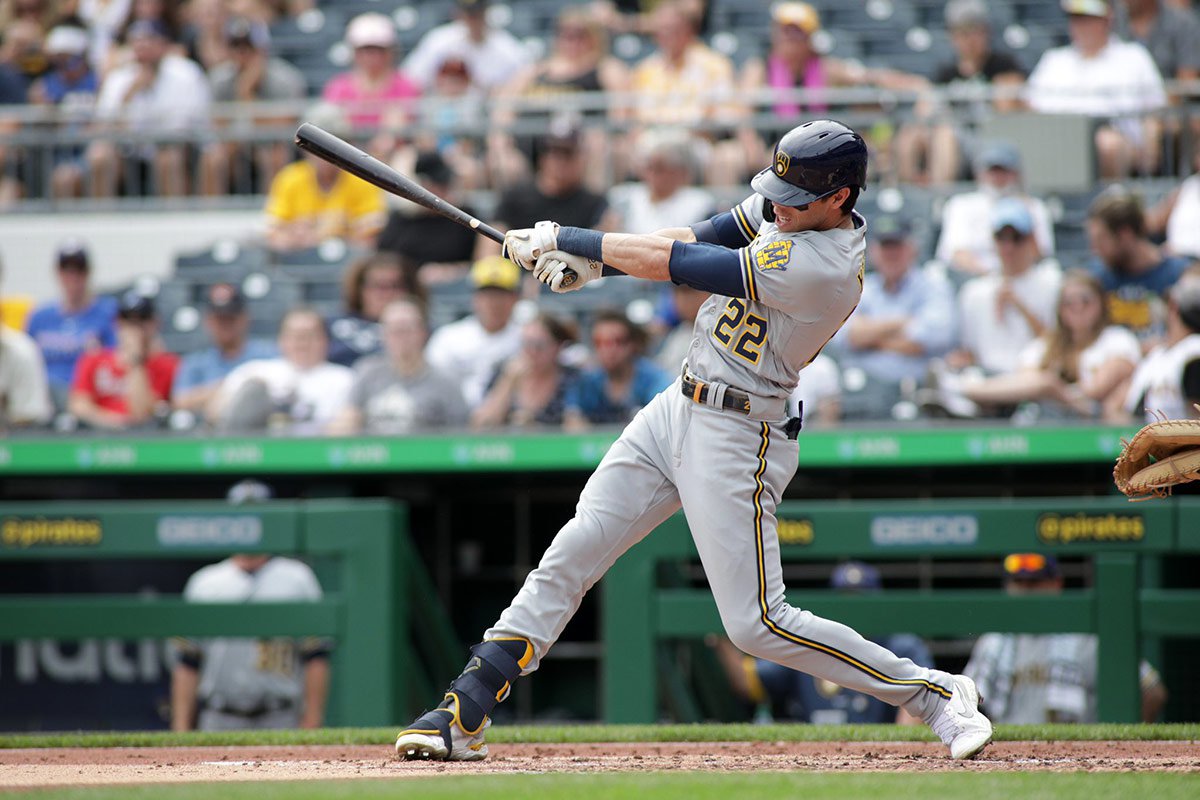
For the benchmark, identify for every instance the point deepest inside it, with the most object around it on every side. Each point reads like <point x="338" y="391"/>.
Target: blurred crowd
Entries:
<point x="976" y="312"/>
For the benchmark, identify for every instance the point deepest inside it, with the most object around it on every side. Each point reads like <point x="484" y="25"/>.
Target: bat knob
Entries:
<point x="568" y="280"/>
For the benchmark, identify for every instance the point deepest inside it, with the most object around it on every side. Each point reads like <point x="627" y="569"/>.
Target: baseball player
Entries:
<point x="785" y="268"/>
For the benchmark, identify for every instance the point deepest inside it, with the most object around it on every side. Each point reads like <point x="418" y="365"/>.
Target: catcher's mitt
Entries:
<point x="1160" y="456"/>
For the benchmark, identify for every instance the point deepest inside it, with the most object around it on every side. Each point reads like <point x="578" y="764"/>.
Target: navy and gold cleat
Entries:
<point x="438" y="736"/>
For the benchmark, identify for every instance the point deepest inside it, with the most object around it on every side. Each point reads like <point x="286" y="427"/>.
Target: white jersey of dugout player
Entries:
<point x="248" y="683"/>
<point x="1157" y="384"/>
<point x="801" y="288"/>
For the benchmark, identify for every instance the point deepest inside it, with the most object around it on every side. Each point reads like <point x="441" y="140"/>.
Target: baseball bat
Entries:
<point x="342" y="154"/>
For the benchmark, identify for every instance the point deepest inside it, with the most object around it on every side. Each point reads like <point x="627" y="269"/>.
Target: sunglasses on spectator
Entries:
<point x="393" y="286"/>
<point x="1009" y="235"/>
<point x="610" y="341"/>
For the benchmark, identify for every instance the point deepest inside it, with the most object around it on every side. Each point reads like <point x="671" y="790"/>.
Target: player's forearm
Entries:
<point x="639" y="255"/>
<point x="316" y="692"/>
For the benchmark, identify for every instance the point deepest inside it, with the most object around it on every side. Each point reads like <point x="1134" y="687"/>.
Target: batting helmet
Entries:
<point x="812" y="161"/>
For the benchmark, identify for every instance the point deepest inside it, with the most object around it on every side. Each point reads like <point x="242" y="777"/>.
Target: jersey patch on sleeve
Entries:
<point x="774" y="256"/>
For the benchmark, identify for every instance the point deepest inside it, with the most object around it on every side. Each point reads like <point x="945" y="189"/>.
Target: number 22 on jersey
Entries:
<point x="741" y="332"/>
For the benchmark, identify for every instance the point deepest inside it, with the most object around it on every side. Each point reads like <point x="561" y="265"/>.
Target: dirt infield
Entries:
<point x="100" y="766"/>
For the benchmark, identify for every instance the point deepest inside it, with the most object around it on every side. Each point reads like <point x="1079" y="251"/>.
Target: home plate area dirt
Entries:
<point x="98" y="766"/>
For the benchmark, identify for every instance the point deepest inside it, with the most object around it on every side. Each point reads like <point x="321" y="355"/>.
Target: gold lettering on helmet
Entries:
<point x="782" y="160"/>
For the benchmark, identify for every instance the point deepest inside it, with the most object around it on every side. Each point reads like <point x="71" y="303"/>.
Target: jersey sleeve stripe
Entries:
<point x="748" y="272"/>
<point x="744" y="224"/>
<point x="764" y="609"/>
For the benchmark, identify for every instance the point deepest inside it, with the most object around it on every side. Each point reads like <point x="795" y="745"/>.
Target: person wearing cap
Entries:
<point x="226" y="683"/>
<point x="966" y="244"/>
<point x="473" y="347"/>
<point x="1135" y="271"/>
<point x="1000" y="313"/>
<point x="1167" y="380"/>
<point x="493" y="55"/>
<point x="557" y="189"/>
<point x="374" y="90"/>
<point x="368" y="286"/>
<point x="75" y="324"/>
<point x="439" y="248"/>
<point x="227" y="323"/>
<point x="396" y="392"/>
<point x="906" y="317"/>
<point x="250" y="74"/>
<point x="931" y="146"/>
<point x="311" y="200"/>
<point x="1079" y="368"/>
<point x="299" y="391"/>
<point x="128" y="385"/>
<point x="1027" y="679"/>
<point x="159" y="92"/>
<point x="782" y="693"/>
<point x="72" y="86"/>
<point x="1100" y="76"/>
<point x="24" y="389"/>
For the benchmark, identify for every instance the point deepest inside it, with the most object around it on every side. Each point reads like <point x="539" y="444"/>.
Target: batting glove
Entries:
<point x="551" y="269"/>
<point x="524" y="245"/>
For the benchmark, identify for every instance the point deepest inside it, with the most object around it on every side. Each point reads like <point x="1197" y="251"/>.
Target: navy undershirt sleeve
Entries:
<point x="722" y="229"/>
<point x="707" y="267"/>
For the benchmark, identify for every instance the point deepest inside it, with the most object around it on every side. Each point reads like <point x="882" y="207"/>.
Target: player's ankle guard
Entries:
<point x="486" y="680"/>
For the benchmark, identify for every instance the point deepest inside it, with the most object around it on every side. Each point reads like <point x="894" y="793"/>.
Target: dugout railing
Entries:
<point x="374" y="586"/>
<point x="1122" y="603"/>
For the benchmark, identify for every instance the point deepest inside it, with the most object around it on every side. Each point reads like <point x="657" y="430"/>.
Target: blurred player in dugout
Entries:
<point x="778" y="691"/>
<point x="1029" y="679"/>
<point x="239" y="684"/>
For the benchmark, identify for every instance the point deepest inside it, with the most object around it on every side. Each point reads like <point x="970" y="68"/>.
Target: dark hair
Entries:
<point x="562" y="331"/>
<point x="1118" y="210"/>
<point x="356" y="275"/>
<point x="851" y="199"/>
<point x="637" y="334"/>
<point x="171" y="12"/>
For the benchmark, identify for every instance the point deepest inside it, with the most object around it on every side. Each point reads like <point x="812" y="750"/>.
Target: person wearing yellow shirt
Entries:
<point x="311" y="200"/>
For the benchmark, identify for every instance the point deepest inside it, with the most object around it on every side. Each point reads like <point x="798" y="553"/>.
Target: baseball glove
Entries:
<point x="1161" y="455"/>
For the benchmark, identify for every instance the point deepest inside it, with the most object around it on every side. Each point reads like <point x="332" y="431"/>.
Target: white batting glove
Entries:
<point x="524" y="245"/>
<point x="552" y="269"/>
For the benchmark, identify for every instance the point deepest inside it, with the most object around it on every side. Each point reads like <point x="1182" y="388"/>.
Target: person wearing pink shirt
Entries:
<point x="374" y="93"/>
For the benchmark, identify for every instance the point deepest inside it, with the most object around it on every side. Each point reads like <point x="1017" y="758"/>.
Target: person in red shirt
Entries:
<point x="125" y="386"/>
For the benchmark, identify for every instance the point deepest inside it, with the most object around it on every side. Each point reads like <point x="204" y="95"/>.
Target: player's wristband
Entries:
<point x="581" y="242"/>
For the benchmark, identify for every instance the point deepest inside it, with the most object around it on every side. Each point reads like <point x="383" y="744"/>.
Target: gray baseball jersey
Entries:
<point x="728" y="469"/>
<point x="251" y="675"/>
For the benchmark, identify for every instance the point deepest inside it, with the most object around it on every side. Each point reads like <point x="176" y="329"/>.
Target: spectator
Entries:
<point x="664" y="197"/>
<point x="227" y="323"/>
<point x="931" y="147"/>
<point x="164" y="13"/>
<point x="24" y="390"/>
<point x="685" y="304"/>
<point x="23" y="49"/>
<point x="104" y="20"/>
<point x="534" y="386"/>
<point x="817" y="398"/>
<point x="128" y="385"/>
<point x="623" y="379"/>
<point x="472" y="348"/>
<point x="455" y="111"/>
<point x="1079" y="368"/>
<point x="367" y="287"/>
<point x="397" y="392"/>
<point x="311" y="200"/>
<point x="1001" y="313"/>
<point x="1177" y="216"/>
<point x="224" y="684"/>
<point x="905" y="318"/>
<point x="1167" y="381"/>
<point x="1034" y="679"/>
<point x="70" y="86"/>
<point x="966" y="244"/>
<point x="77" y="324"/>
<point x="250" y="74"/>
<point x="1134" y="271"/>
<point x="206" y="33"/>
<point x="158" y="93"/>
<point x="493" y="55"/>
<point x="557" y="190"/>
<point x="373" y="93"/>
<point x="782" y="692"/>
<point x="1171" y="35"/>
<point x="579" y="66"/>
<point x="1101" y="76"/>
<point x="438" y="248"/>
<point x="300" y="390"/>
